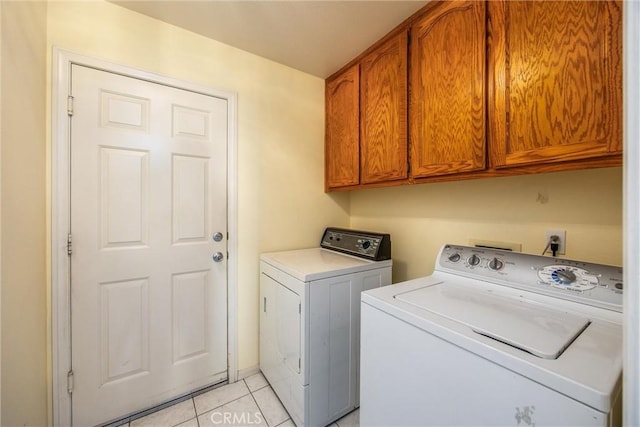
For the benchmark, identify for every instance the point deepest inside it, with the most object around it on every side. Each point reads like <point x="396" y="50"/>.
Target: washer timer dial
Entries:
<point x="496" y="264"/>
<point x="566" y="277"/>
<point x="474" y="260"/>
<point x="454" y="257"/>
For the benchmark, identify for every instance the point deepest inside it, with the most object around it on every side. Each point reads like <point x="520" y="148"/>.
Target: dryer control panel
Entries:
<point x="363" y="244"/>
<point x="594" y="284"/>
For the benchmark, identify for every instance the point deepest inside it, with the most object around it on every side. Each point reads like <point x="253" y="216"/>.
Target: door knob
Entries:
<point x="217" y="236"/>
<point x="217" y="257"/>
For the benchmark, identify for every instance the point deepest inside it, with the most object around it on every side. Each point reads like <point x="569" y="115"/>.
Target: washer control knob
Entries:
<point x="454" y="257"/>
<point x="366" y="244"/>
<point x="474" y="259"/>
<point x="496" y="264"/>
<point x="565" y="277"/>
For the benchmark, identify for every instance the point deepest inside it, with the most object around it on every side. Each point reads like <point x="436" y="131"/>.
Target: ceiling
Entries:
<point x="317" y="37"/>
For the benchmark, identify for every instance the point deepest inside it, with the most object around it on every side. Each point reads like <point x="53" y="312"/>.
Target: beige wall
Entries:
<point x="24" y="307"/>
<point x="420" y="218"/>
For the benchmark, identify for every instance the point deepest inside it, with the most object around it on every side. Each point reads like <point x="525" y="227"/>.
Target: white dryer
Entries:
<point x="310" y="321"/>
<point x="494" y="338"/>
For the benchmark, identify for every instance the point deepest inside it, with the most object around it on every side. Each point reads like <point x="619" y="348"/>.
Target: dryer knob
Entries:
<point x="454" y="257"/>
<point x="474" y="259"/>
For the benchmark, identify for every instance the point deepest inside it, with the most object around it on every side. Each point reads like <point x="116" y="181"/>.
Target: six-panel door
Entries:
<point x="148" y="190"/>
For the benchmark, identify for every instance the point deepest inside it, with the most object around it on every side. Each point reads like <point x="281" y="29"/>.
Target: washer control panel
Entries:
<point x="594" y="284"/>
<point x="364" y="244"/>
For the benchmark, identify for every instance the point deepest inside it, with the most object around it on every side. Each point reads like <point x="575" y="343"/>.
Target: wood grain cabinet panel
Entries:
<point x="447" y="110"/>
<point x="342" y="127"/>
<point x="555" y="85"/>
<point x="383" y="114"/>
<point x="493" y="88"/>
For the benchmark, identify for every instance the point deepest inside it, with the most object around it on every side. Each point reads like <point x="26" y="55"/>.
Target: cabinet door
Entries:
<point x="342" y="150"/>
<point x="555" y="86"/>
<point x="447" y="112"/>
<point x="383" y="115"/>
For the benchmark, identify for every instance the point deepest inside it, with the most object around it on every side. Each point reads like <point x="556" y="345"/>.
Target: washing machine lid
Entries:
<point x="542" y="331"/>
<point x="317" y="263"/>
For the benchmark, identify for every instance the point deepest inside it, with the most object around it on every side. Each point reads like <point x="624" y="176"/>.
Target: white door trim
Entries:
<point x="60" y="218"/>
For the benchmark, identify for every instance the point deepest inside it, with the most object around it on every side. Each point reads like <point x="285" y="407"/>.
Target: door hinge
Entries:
<point x="264" y="305"/>
<point x="299" y="364"/>
<point x="70" y="382"/>
<point x="69" y="249"/>
<point x="70" y="105"/>
<point x="300" y="308"/>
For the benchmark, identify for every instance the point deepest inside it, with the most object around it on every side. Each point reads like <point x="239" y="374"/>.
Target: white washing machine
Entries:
<point x="494" y="338"/>
<point x="310" y="321"/>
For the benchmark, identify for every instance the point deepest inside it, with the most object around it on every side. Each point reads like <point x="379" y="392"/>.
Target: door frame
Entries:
<point x="60" y="214"/>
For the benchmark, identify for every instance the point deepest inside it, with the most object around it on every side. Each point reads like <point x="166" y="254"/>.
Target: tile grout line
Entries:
<point x="231" y="401"/>
<point x="258" y="389"/>
<point x="256" y="402"/>
<point x="197" y="415"/>
<point x="279" y="401"/>
<point x="226" y="403"/>
<point x="195" y="411"/>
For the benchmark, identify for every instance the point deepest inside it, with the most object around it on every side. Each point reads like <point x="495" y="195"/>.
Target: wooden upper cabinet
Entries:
<point x="383" y="112"/>
<point x="447" y="110"/>
<point x="342" y="153"/>
<point x="555" y="81"/>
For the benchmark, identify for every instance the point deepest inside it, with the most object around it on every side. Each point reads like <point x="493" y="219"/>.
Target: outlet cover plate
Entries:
<point x="562" y="234"/>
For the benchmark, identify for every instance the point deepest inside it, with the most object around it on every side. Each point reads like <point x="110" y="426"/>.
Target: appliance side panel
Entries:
<point x="332" y="373"/>
<point x="410" y="377"/>
<point x="370" y="280"/>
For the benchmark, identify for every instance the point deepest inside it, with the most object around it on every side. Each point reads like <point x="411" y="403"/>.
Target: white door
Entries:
<point x="148" y="192"/>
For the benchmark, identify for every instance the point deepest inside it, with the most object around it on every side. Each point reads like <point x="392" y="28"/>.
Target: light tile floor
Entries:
<point x="248" y="402"/>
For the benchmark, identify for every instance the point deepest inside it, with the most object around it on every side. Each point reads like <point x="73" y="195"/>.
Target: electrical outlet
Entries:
<point x="562" y="235"/>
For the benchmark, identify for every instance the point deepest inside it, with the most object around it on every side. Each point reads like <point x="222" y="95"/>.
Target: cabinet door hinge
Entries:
<point x="299" y="364"/>
<point x="299" y="308"/>
<point x="70" y="105"/>
<point x="264" y="305"/>
<point x="69" y="249"/>
<point x="70" y="382"/>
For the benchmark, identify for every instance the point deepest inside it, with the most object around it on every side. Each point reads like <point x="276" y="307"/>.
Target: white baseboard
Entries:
<point x="247" y="372"/>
